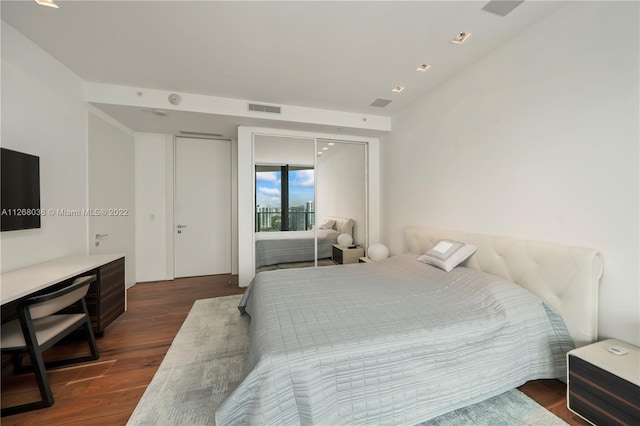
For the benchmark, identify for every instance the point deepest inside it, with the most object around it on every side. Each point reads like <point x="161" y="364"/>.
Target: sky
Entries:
<point x="268" y="191"/>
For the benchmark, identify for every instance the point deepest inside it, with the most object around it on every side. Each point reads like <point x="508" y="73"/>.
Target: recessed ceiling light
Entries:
<point x="423" y="68"/>
<point x="460" y="38"/>
<point x="331" y="143"/>
<point x="319" y="152"/>
<point x="325" y="148"/>
<point x="398" y="89"/>
<point x="48" y="3"/>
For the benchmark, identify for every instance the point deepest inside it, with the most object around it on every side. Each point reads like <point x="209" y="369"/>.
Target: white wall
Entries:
<point x="538" y="140"/>
<point x="152" y="153"/>
<point x="44" y="114"/>
<point x="282" y="150"/>
<point x="154" y="180"/>
<point x="111" y="190"/>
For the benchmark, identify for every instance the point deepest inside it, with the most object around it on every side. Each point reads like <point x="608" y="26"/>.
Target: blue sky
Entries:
<point x="301" y="188"/>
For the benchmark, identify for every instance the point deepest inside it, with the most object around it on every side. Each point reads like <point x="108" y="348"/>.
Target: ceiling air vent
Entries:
<point x="502" y="7"/>
<point x="381" y="103"/>
<point x="200" y="134"/>
<point x="264" y="108"/>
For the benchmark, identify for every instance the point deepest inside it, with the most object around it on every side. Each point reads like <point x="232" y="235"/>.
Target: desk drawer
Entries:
<point x="111" y="294"/>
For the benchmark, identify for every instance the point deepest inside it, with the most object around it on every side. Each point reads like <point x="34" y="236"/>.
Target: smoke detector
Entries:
<point x="175" y="99"/>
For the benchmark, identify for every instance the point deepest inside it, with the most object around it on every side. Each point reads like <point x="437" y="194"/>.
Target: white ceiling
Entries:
<point x="329" y="55"/>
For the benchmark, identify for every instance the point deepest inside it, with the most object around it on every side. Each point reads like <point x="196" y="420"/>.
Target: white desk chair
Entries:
<point x="39" y="326"/>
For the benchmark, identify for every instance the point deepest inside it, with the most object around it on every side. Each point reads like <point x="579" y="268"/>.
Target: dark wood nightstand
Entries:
<point x="603" y="383"/>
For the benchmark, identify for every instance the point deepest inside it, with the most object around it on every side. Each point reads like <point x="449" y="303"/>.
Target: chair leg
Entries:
<point x="16" y="361"/>
<point x="88" y="329"/>
<point x="43" y="385"/>
<point x="91" y="339"/>
<point x="41" y="376"/>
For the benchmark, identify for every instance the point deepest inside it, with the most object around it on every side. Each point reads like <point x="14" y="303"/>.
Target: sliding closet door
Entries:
<point x="284" y="212"/>
<point x="341" y="175"/>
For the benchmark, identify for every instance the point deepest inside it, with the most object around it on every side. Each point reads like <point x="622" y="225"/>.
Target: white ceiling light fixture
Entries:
<point x="48" y="3"/>
<point x="398" y="89"/>
<point x="461" y="38"/>
<point x="424" y="68"/>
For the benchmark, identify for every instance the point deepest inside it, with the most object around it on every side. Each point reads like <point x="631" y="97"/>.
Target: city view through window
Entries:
<point x="287" y="189"/>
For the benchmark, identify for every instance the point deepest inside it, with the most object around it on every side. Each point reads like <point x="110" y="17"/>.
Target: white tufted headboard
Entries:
<point x="565" y="277"/>
<point x="344" y="225"/>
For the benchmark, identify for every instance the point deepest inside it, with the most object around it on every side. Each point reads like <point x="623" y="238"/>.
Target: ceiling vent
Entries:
<point x="381" y="103"/>
<point x="200" y="134"/>
<point x="501" y="7"/>
<point x="264" y="108"/>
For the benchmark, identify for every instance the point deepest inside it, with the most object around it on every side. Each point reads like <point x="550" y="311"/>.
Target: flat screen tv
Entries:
<point x="19" y="190"/>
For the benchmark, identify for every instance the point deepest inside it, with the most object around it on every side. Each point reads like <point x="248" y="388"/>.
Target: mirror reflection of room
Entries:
<point x="307" y="194"/>
<point x="341" y="194"/>
<point x="284" y="202"/>
<point x="287" y="189"/>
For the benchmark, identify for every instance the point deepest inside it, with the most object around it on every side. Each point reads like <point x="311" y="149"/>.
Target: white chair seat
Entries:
<point x="46" y="329"/>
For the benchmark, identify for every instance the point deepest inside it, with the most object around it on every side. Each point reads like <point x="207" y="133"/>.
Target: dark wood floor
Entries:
<point x="106" y="391"/>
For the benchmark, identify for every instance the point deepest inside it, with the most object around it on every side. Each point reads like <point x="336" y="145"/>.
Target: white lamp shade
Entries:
<point x="377" y="252"/>
<point x="345" y="239"/>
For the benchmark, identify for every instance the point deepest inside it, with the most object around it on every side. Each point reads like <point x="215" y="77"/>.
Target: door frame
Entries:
<point x="246" y="193"/>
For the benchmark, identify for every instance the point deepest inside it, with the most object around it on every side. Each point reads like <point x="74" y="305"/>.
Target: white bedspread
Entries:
<point x="395" y="342"/>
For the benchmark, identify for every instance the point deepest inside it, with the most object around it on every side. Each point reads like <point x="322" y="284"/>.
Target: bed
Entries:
<point x="401" y="342"/>
<point x="299" y="246"/>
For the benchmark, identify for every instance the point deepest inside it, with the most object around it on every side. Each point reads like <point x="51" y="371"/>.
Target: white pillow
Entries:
<point x="328" y="224"/>
<point x="447" y="254"/>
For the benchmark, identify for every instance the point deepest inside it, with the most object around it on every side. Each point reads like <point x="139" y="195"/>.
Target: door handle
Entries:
<point x="181" y="226"/>
<point x="98" y="236"/>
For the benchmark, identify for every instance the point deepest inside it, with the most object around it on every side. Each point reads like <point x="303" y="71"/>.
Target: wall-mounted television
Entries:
<point x="19" y="190"/>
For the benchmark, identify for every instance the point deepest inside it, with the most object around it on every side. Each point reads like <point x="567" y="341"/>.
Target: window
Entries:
<point x="285" y="188"/>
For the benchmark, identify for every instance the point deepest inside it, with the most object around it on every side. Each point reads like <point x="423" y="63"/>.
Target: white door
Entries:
<point x="203" y="207"/>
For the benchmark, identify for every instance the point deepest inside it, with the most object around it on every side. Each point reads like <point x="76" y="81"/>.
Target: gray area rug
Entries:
<point x="206" y="361"/>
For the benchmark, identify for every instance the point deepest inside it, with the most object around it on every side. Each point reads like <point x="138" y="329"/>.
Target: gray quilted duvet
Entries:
<point x="395" y="342"/>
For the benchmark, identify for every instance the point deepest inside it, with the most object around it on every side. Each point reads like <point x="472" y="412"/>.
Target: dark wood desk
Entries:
<point x="106" y="297"/>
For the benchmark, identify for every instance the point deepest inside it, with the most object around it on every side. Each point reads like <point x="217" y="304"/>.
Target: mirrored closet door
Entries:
<point x="341" y="195"/>
<point x="285" y="201"/>
<point x="308" y="192"/>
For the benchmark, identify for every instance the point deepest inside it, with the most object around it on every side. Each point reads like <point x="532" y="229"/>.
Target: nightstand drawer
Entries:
<point x="344" y="254"/>
<point x="603" y="382"/>
<point x="601" y="397"/>
<point x="337" y="255"/>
